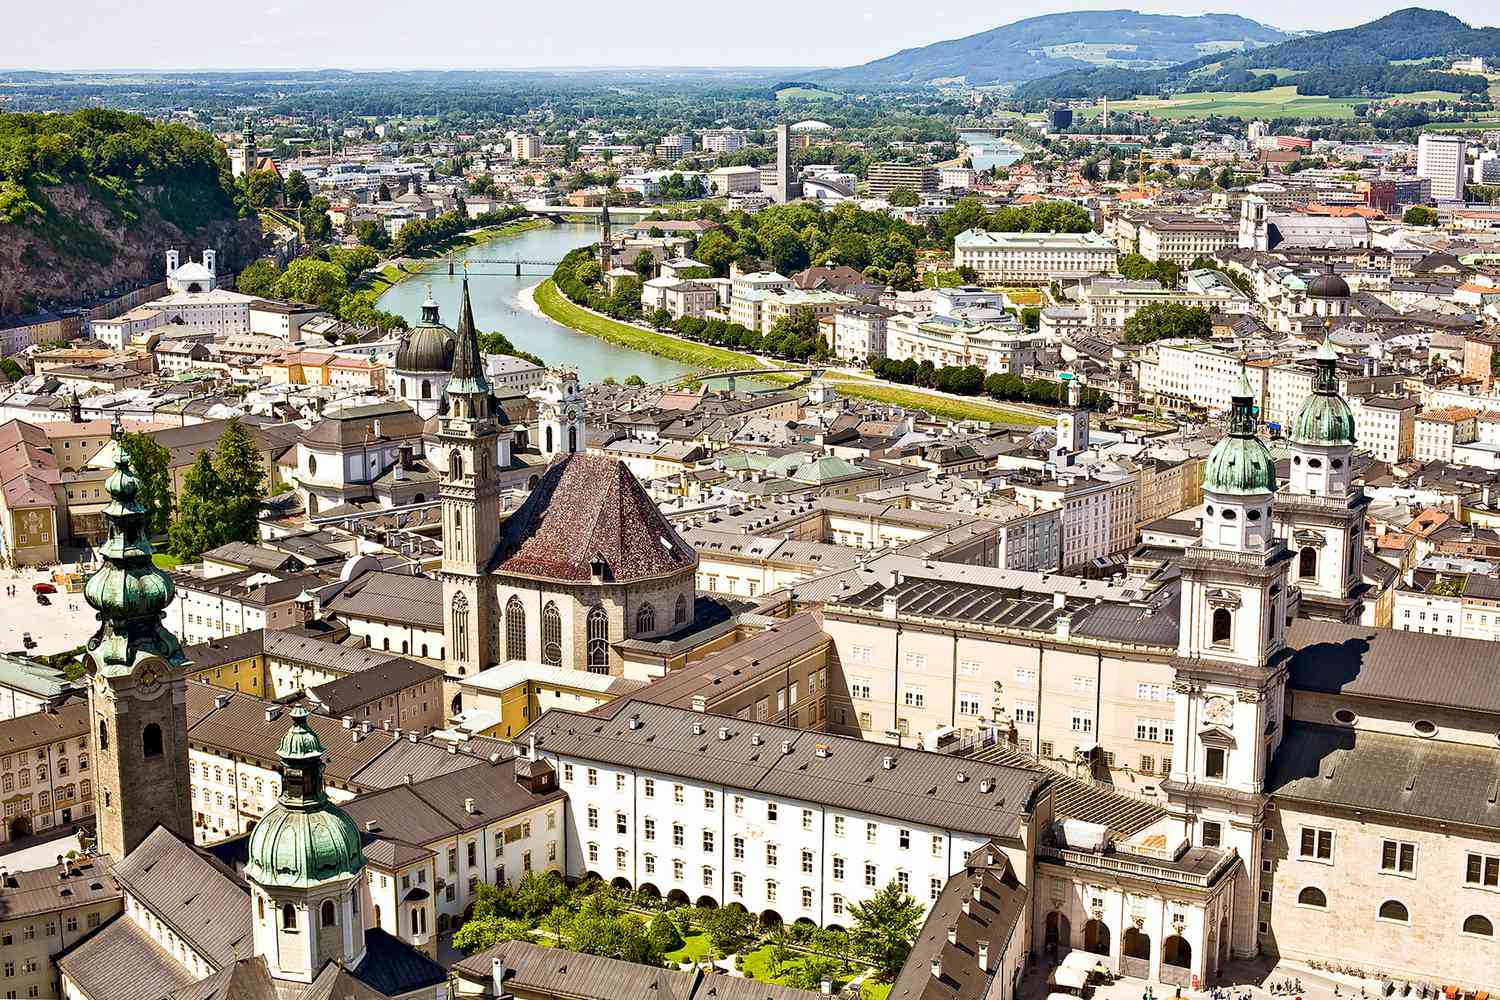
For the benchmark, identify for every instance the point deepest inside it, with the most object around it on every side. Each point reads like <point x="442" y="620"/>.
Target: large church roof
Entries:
<point x="589" y="507"/>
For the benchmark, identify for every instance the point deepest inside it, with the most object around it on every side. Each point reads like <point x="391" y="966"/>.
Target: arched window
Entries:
<point x="1312" y="896"/>
<point x="151" y="740"/>
<point x="329" y="913"/>
<point x="415" y="923"/>
<point x="461" y="626"/>
<point x="680" y="615"/>
<point x="551" y="635"/>
<point x="426" y="389"/>
<point x="1394" y="910"/>
<point x="377" y="914"/>
<point x="312" y="465"/>
<point x="289" y="917"/>
<point x="645" y="619"/>
<point x="1307" y="563"/>
<point x="548" y="449"/>
<point x="598" y="648"/>
<point x="403" y="388"/>
<point x="1479" y="925"/>
<point x="515" y="629"/>
<point x="260" y="907"/>
<point x="572" y="440"/>
<point x="455" y="465"/>
<point x="103" y="734"/>
<point x="1223" y="626"/>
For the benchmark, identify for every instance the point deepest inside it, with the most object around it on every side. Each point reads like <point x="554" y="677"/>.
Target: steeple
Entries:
<point x="606" y="247"/>
<point x="468" y="389"/>
<point x="129" y="593"/>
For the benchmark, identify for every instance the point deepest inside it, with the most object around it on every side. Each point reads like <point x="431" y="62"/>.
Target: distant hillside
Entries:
<point x="1051" y="43"/>
<point x="1335" y="62"/>
<point x="90" y="201"/>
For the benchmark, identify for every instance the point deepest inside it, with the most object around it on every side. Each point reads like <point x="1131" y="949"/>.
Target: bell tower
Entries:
<point x="137" y="682"/>
<point x="560" y="415"/>
<point x="1320" y="514"/>
<point x="1230" y="671"/>
<point x="468" y="438"/>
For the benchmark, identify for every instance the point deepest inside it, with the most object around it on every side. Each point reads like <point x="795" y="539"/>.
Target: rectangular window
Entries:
<point x="1025" y="712"/>
<point x="1316" y="844"/>
<point x="619" y="782"/>
<point x="838" y="826"/>
<point x="914" y="696"/>
<point x="739" y="848"/>
<point x="807" y="819"/>
<point x="679" y="835"/>
<point x="1082" y="683"/>
<point x="771" y="854"/>
<point x="708" y="800"/>
<point x="1213" y="834"/>
<point x="771" y="812"/>
<point x="620" y="823"/>
<point x="1482" y="870"/>
<point x="870" y="876"/>
<point x="648" y="788"/>
<point x="859" y="687"/>
<point x="1083" y="720"/>
<point x="708" y="841"/>
<point x="677" y="794"/>
<point x="593" y="776"/>
<point x="1215" y="763"/>
<point x="1398" y="857"/>
<point x="739" y="805"/>
<point x="968" y="703"/>
<point x="904" y="838"/>
<point x="807" y="862"/>
<point x="650" y="826"/>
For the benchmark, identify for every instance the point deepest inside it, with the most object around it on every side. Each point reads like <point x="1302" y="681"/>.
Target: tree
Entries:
<point x="787" y="251"/>
<point x="635" y="380"/>
<point x="383" y="193"/>
<point x="1162" y="320"/>
<point x="11" y="370"/>
<point x="483" y="184"/>
<point x="258" y="278"/>
<point x="664" y="934"/>
<point x="316" y="226"/>
<point x="884" y="928"/>
<point x="717" y="251"/>
<point x="727" y="927"/>
<point x="262" y="188"/>
<point x="310" y="280"/>
<point x="193" y="529"/>
<point x="151" y="462"/>
<point x="371" y="234"/>
<point x="661" y="317"/>
<point x="539" y="892"/>
<point x="242" y="479"/>
<point x="1420" y="215"/>
<point x="644" y="264"/>
<point x="902" y="197"/>
<point x="354" y="261"/>
<point x="588" y="272"/>
<point x="296" y="189"/>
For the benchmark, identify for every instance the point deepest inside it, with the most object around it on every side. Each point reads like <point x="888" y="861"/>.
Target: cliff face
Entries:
<point x="93" y="239"/>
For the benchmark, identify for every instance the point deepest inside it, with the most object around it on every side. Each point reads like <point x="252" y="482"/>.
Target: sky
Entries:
<point x="506" y="34"/>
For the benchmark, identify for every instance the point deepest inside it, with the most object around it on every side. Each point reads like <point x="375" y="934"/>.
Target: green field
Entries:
<point x="1278" y="102"/>
<point x="695" y="947"/>
<point x="806" y="94"/>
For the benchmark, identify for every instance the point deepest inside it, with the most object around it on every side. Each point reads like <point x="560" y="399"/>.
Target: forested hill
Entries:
<point x="90" y="201"/>
<point x="1038" y="46"/>
<point x="1335" y="63"/>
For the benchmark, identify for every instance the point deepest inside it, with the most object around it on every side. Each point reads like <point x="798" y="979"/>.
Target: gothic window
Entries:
<point x="461" y="626"/>
<point x="515" y="629"/>
<point x="328" y="913"/>
<point x="455" y="465"/>
<point x="1307" y="563"/>
<point x="103" y="734"/>
<point x="151" y="741"/>
<point x="1223" y="626"/>
<point x="645" y="619"/>
<point x="548" y="449"/>
<point x="680" y="615"/>
<point x="426" y="389"/>
<point x="551" y="635"/>
<point x="598" y="648"/>
<point x="403" y="388"/>
<point x="289" y="917"/>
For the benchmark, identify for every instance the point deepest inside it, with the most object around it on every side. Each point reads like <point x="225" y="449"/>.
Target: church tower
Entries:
<point x="137" y="682"/>
<point x="305" y="869"/>
<point x="468" y="437"/>
<point x="559" y="415"/>
<point x="1229" y="671"/>
<point x="606" y="247"/>
<point x="1321" y="513"/>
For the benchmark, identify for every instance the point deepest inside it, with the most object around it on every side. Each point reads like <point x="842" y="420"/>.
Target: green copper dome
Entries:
<point x="304" y="840"/>
<point x="128" y="592"/>
<point x="1240" y="463"/>
<point x="1324" y="419"/>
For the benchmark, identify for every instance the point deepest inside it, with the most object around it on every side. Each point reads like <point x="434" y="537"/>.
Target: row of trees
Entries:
<point x="325" y="279"/>
<point x="792" y="338"/>
<point x="221" y="494"/>
<point x="1166" y="320"/>
<point x="971" y="380"/>
<point x="596" y="919"/>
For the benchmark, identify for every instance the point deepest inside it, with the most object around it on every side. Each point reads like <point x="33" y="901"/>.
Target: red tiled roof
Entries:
<point x="588" y="507"/>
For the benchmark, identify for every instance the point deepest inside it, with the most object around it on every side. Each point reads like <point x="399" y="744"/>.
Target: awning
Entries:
<point x="1067" y="978"/>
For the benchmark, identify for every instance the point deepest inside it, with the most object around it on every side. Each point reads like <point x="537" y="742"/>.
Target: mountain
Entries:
<point x="1358" y="57"/>
<point x="1051" y="43"/>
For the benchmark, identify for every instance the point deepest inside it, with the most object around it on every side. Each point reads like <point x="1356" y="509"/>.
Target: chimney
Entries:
<point x="965" y="906"/>
<point x="953" y="934"/>
<point x="723" y="732"/>
<point x="937" y="967"/>
<point x="1064" y="627"/>
<point x="700" y="703"/>
<point x="220" y="700"/>
<point x="407" y="779"/>
<point x="755" y="739"/>
<point x="984" y="956"/>
<point x="273" y="713"/>
<point x="978" y="889"/>
<point x="1059" y="600"/>
<point x="531" y="746"/>
<point x="822" y="750"/>
<point x="348" y="721"/>
<point x="469" y="805"/>
<point x="356" y="735"/>
<point x="413" y="736"/>
<point x="371" y="826"/>
<point x="888" y="762"/>
<point x="635" y="721"/>
<point x="786" y="747"/>
<point x="697" y="728"/>
<point x="453" y="748"/>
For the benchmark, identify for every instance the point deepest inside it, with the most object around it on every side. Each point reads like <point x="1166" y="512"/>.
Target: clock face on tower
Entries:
<point x="571" y="413"/>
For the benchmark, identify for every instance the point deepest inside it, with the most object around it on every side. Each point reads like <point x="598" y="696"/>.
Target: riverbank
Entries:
<point x="545" y="298"/>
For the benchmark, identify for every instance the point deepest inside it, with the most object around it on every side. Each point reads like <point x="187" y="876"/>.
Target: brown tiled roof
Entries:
<point x="424" y="811"/>
<point x="43" y="890"/>
<point x="40" y="728"/>
<point x="589" y="507"/>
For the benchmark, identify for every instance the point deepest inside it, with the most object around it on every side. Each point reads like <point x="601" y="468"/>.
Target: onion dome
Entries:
<point x="1240" y="464"/>
<point x="1324" y="419"/>
<point x="428" y="346"/>
<point x="1328" y="286"/>
<point x="304" y="840"/>
<point x="129" y="593"/>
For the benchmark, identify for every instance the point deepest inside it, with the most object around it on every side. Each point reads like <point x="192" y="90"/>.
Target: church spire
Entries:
<point x="129" y="593"/>
<point x="468" y="363"/>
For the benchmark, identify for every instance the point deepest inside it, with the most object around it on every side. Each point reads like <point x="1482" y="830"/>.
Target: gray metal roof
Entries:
<point x="1401" y="775"/>
<point x="1409" y="667"/>
<point x="920" y="787"/>
<point x="191" y="892"/>
<point x="122" y="962"/>
<point x="392" y="597"/>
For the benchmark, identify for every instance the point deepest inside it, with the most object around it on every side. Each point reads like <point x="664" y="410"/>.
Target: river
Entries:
<point x="988" y="151"/>
<point x="496" y="307"/>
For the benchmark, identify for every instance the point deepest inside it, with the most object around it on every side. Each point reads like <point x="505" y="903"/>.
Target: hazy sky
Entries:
<point x="499" y="34"/>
